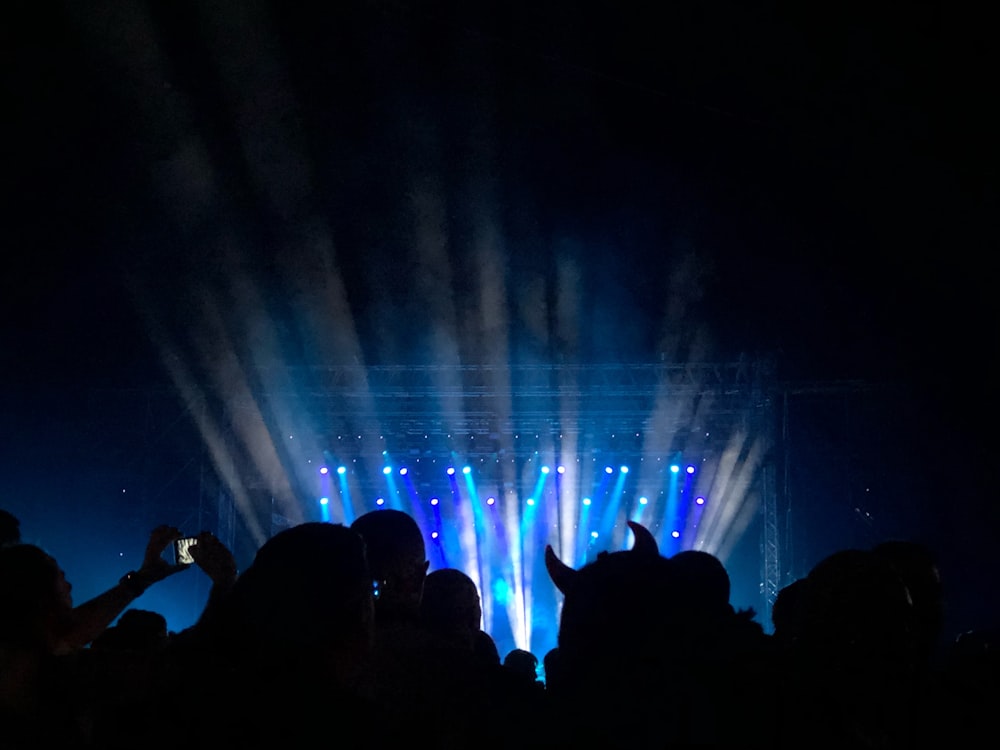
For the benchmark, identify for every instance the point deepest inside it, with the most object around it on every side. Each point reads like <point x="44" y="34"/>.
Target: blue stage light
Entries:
<point x="387" y="470"/>
<point x="403" y="471"/>
<point x="674" y="468"/>
<point x="675" y="534"/>
<point x="324" y="470"/>
<point x="324" y="500"/>
<point x="586" y="501"/>
<point x="491" y="500"/>
<point x="434" y="501"/>
<point x="561" y="469"/>
<point x="593" y="535"/>
<point x="690" y="470"/>
<point x="608" y="470"/>
<point x="451" y="471"/>
<point x="643" y="500"/>
<point x="531" y="501"/>
<point x="380" y="501"/>
<point x="434" y="535"/>
<point x="341" y="470"/>
<point x="700" y="500"/>
<point x="466" y="469"/>
<point x="624" y="470"/>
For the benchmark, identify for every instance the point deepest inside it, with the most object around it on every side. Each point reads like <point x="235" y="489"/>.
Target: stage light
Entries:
<point x="531" y="501"/>
<point x="674" y="468"/>
<point x="643" y="500"/>
<point x="561" y="469"/>
<point x="490" y="500"/>
<point x="380" y="501"/>
<point x="700" y="500"/>
<point x="451" y="471"/>
<point x="545" y="470"/>
<point x="324" y="470"/>
<point x="608" y="470"/>
<point x="586" y="501"/>
<point x="624" y="470"/>
<point x="387" y="470"/>
<point x="466" y="469"/>
<point x="675" y="534"/>
<point x="434" y="501"/>
<point x="324" y="500"/>
<point x="690" y="470"/>
<point x="434" y="535"/>
<point x="593" y="535"/>
<point x="341" y="470"/>
<point x="403" y="471"/>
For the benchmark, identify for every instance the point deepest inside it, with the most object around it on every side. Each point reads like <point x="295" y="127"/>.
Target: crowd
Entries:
<point x="340" y="634"/>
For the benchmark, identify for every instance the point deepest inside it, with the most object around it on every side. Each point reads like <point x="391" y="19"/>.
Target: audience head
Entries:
<point x="917" y="566"/>
<point x="622" y="598"/>
<point x="397" y="557"/>
<point x="137" y="630"/>
<point x="307" y="592"/>
<point x="702" y="584"/>
<point x="786" y="612"/>
<point x="10" y="528"/>
<point x="855" y="607"/>
<point x="522" y="663"/>
<point x="451" y="605"/>
<point x="36" y="603"/>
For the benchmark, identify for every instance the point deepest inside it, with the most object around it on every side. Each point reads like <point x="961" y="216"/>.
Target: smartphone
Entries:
<point x="182" y="550"/>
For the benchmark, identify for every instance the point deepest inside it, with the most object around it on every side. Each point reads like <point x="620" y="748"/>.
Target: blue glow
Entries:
<point x="545" y="470"/>
<point x="324" y="470"/>
<point x="451" y="471"/>
<point x="434" y="501"/>
<point x="491" y="500"/>
<point x="643" y="500"/>
<point x="674" y="468"/>
<point x="690" y="470"/>
<point x="434" y="535"/>
<point x="403" y="471"/>
<point x="675" y="534"/>
<point x="593" y="535"/>
<point x="608" y="470"/>
<point x="624" y="470"/>
<point x="380" y="501"/>
<point x="324" y="500"/>
<point x="341" y="470"/>
<point x="586" y="501"/>
<point x="466" y="469"/>
<point x="700" y="501"/>
<point x="387" y="470"/>
<point x="531" y="501"/>
<point x="501" y="591"/>
<point x="561" y="469"/>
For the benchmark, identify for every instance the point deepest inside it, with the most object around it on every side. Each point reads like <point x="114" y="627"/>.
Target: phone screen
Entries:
<point x="182" y="550"/>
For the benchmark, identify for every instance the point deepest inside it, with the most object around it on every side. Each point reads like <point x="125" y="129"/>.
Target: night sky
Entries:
<point x="714" y="181"/>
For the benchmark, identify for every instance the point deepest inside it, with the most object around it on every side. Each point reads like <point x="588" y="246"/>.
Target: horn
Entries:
<point x="561" y="574"/>
<point x="645" y="542"/>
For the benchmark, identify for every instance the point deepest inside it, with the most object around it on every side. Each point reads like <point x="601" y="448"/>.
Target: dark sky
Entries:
<point x="815" y="185"/>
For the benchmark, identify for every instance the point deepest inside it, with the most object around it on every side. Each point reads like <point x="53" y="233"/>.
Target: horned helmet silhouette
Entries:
<point x="563" y="575"/>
